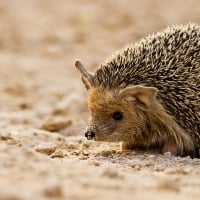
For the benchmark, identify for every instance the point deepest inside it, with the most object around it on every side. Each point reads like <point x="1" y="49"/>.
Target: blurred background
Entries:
<point x="40" y="89"/>
<point x="40" y="39"/>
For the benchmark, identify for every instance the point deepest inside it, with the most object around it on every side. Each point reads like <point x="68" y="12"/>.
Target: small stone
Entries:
<point x="151" y="156"/>
<point x="106" y="153"/>
<point x="56" y="124"/>
<point x="47" y="149"/>
<point x="168" y="154"/>
<point x="57" y="154"/>
<point x="71" y="146"/>
<point x="95" y="163"/>
<point x="85" y="153"/>
<point x="111" y="172"/>
<point x="176" y="171"/>
<point x="24" y="105"/>
<point x="54" y="191"/>
<point x="137" y="167"/>
<point x="168" y="185"/>
<point x="86" y="145"/>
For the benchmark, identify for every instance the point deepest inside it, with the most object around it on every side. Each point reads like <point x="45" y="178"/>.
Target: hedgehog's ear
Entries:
<point x="87" y="77"/>
<point x="144" y="95"/>
<point x="86" y="83"/>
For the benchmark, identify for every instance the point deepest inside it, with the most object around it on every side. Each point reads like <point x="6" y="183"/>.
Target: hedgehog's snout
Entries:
<point x="90" y="135"/>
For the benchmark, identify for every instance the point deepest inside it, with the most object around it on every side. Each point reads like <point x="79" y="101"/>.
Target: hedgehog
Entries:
<point x="147" y="95"/>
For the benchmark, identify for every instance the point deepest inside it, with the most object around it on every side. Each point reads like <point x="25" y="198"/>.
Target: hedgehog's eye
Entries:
<point x="117" y="115"/>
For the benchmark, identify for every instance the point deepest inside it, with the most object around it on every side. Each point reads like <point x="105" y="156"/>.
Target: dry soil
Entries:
<point x="43" y="109"/>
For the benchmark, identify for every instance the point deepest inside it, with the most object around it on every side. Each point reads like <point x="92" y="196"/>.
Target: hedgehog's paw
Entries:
<point x="172" y="148"/>
<point x="126" y="146"/>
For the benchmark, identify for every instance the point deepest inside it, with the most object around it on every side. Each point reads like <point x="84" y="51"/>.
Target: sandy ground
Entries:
<point x="43" y="110"/>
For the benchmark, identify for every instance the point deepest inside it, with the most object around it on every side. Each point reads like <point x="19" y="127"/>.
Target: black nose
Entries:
<point x="90" y="134"/>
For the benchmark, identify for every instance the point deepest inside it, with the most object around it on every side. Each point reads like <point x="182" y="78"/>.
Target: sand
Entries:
<point x="43" y="108"/>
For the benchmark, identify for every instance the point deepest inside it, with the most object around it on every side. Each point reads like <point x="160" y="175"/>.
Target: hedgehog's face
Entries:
<point x="116" y="115"/>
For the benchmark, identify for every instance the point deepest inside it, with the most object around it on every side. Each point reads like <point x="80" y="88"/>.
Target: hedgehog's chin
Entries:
<point x="99" y="139"/>
<point x="110" y="138"/>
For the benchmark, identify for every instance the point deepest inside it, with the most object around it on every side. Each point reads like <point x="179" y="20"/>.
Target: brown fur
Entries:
<point x="145" y="123"/>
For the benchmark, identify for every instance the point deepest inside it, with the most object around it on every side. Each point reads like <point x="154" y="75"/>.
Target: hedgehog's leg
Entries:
<point x="172" y="148"/>
<point x="126" y="146"/>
